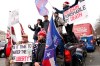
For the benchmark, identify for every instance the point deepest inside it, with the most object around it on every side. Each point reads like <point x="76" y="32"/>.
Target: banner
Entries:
<point x="13" y="17"/>
<point x="83" y="29"/>
<point x="76" y="13"/>
<point x="22" y="52"/>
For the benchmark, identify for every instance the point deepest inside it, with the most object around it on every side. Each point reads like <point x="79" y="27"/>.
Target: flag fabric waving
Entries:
<point x="10" y="34"/>
<point x="52" y="40"/>
<point x="40" y="4"/>
<point x="22" y="30"/>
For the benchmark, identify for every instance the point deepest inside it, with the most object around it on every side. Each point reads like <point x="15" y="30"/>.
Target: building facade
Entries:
<point x="2" y="36"/>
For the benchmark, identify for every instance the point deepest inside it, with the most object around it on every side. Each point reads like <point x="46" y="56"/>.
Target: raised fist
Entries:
<point x="29" y="25"/>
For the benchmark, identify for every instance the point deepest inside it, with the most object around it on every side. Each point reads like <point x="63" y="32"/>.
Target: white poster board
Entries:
<point x="22" y="52"/>
<point x="76" y="13"/>
<point x="13" y="17"/>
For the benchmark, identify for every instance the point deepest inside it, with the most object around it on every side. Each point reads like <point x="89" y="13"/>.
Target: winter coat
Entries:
<point x="36" y="29"/>
<point x="45" y="25"/>
<point x="66" y="8"/>
<point x="38" y="52"/>
<point x="59" y="22"/>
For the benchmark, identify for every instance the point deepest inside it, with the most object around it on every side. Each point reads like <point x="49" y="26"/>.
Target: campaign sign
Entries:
<point x="76" y="13"/>
<point x="22" y="52"/>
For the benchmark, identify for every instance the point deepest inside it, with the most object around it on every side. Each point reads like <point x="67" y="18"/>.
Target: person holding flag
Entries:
<point x="66" y="6"/>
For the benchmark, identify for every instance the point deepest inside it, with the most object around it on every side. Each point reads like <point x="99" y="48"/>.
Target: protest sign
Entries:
<point x="13" y="17"/>
<point x="76" y="13"/>
<point x="22" y="52"/>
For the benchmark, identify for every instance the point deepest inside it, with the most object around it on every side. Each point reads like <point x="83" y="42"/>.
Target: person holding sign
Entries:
<point x="15" y="61"/>
<point x="39" y="48"/>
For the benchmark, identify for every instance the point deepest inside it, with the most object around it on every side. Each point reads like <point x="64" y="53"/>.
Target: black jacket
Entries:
<point x="66" y="8"/>
<point x="36" y="29"/>
<point x="45" y="25"/>
<point x="38" y="52"/>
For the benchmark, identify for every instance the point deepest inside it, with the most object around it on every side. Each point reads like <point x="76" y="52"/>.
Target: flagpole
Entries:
<point x="10" y="28"/>
<point x="50" y="3"/>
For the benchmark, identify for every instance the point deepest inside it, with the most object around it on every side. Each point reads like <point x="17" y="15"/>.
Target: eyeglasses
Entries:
<point x="25" y="37"/>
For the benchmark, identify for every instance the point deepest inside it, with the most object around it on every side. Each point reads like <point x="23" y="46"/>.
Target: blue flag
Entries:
<point x="52" y="40"/>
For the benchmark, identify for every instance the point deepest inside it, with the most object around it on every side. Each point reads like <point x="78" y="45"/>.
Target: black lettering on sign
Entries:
<point x="29" y="45"/>
<point x="13" y="47"/>
<point x="84" y="8"/>
<point x="16" y="51"/>
<point x="23" y="51"/>
<point x="13" y="57"/>
<point x="16" y="46"/>
<point x="22" y="46"/>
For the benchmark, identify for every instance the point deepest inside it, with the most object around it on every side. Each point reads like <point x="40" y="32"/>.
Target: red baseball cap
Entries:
<point x="66" y="2"/>
<point x="42" y="32"/>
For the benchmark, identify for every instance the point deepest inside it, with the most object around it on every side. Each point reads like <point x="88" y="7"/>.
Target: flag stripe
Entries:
<point x="40" y="4"/>
<point x="52" y="61"/>
<point x="22" y="30"/>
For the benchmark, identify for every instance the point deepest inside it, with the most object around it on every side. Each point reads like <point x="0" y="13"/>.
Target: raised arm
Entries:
<point x="76" y="2"/>
<point x="33" y="29"/>
<point x="59" y="11"/>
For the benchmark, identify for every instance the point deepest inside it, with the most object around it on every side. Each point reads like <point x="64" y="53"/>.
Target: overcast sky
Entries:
<point x="28" y="13"/>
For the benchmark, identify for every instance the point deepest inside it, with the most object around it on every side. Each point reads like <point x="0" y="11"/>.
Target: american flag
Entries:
<point x="49" y="58"/>
<point x="52" y="40"/>
<point x="40" y="4"/>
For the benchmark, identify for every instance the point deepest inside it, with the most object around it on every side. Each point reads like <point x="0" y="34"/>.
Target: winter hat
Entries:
<point x="42" y="32"/>
<point x="66" y="2"/>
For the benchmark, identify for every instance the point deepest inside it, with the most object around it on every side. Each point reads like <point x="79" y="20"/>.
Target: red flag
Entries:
<point x="11" y="39"/>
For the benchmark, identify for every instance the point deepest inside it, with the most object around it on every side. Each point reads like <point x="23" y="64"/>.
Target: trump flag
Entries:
<point x="40" y="4"/>
<point x="52" y="40"/>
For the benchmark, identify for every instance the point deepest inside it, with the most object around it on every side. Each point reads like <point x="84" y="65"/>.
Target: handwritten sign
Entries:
<point x="76" y="13"/>
<point x="22" y="52"/>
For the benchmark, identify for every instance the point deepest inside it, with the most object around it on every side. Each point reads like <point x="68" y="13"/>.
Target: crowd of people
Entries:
<point x="40" y="30"/>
